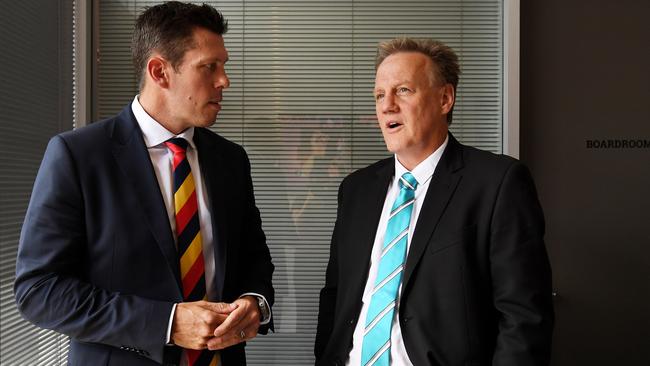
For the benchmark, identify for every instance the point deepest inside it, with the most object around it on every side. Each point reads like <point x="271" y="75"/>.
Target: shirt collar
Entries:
<point x="423" y="171"/>
<point x="153" y="132"/>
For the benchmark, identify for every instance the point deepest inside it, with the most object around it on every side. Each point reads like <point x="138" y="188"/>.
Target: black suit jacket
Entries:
<point x="477" y="283"/>
<point x="97" y="259"/>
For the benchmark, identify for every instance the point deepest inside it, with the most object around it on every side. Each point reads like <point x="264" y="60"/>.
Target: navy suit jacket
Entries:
<point x="476" y="289"/>
<point x="97" y="259"/>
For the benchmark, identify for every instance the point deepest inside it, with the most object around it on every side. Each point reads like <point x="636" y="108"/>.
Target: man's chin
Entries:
<point x="207" y="122"/>
<point x="391" y="146"/>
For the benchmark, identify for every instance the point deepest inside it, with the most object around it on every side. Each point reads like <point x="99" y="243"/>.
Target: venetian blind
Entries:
<point x="300" y="102"/>
<point x="36" y="104"/>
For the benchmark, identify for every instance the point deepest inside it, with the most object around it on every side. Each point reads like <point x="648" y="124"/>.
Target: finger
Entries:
<point x="220" y="307"/>
<point x="229" y="339"/>
<point x="250" y="322"/>
<point x="216" y="344"/>
<point x="190" y="325"/>
<point x="249" y="332"/>
<point x="212" y="320"/>
<point x="205" y="312"/>
<point x="245" y="329"/>
<point x="219" y="319"/>
<point x="250" y="305"/>
<point x="233" y="320"/>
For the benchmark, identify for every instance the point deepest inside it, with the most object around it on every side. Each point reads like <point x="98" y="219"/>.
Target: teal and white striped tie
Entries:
<point x="376" y="337"/>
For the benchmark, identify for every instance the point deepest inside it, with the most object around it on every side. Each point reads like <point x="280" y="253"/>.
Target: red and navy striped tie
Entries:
<point x="190" y="245"/>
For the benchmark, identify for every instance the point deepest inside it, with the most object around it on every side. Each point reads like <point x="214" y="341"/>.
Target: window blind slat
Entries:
<point x="36" y="103"/>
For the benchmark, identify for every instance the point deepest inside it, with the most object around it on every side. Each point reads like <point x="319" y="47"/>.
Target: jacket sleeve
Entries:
<point x="327" y="302"/>
<point x="259" y="267"/>
<point x="50" y="287"/>
<point x="521" y="273"/>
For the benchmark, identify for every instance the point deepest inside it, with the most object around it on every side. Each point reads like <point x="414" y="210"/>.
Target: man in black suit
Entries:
<point x="466" y="279"/>
<point x="142" y="241"/>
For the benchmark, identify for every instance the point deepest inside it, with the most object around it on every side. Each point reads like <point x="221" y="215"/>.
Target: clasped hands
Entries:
<point x="215" y="325"/>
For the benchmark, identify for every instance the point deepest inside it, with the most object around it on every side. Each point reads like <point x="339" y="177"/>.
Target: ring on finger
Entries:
<point x="242" y="334"/>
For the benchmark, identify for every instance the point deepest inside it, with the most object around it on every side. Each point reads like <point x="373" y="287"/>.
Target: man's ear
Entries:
<point x="158" y="71"/>
<point x="447" y="98"/>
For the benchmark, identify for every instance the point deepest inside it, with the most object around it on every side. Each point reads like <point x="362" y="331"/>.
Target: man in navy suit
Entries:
<point x="465" y="279"/>
<point x="98" y="258"/>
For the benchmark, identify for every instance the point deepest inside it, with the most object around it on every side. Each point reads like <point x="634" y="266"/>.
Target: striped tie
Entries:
<point x="379" y="320"/>
<point x="190" y="246"/>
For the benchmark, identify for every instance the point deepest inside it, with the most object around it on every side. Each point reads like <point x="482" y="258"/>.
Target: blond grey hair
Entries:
<point x="445" y="61"/>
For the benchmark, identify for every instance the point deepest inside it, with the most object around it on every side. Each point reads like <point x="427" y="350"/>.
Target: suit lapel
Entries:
<point x="443" y="184"/>
<point x="216" y="176"/>
<point x="368" y="213"/>
<point x="133" y="159"/>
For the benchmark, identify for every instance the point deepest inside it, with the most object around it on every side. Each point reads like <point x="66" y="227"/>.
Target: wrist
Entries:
<point x="262" y="306"/>
<point x="265" y="312"/>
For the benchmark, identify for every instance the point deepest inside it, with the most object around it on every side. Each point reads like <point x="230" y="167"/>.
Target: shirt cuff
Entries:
<point x="168" y="339"/>
<point x="266" y="320"/>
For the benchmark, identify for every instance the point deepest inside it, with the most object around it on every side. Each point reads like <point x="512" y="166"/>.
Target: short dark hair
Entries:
<point x="168" y="28"/>
<point x="445" y="60"/>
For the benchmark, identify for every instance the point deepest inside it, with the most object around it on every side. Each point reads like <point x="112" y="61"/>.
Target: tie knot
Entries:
<point x="408" y="181"/>
<point x="177" y="145"/>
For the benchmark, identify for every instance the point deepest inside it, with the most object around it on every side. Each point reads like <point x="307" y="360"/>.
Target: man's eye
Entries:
<point x="379" y="97"/>
<point x="403" y="90"/>
<point x="211" y="67"/>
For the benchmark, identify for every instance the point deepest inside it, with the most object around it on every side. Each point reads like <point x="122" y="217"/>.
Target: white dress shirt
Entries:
<point x="161" y="156"/>
<point x="422" y="173"/>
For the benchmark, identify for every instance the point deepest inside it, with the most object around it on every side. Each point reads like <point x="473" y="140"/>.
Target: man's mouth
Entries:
<point x="391" y="125"/>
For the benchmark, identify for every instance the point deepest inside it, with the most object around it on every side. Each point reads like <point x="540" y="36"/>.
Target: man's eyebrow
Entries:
<point x="213" y="59"/>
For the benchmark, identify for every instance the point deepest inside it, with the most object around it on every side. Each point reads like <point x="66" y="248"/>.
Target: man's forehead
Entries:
<point x="209" y="50"/>
<point x="405" y="67"/>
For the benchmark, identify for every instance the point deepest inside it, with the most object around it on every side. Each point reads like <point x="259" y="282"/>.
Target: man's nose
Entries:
<point x="222" y="81"/>
<point x="388" y="105"/>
